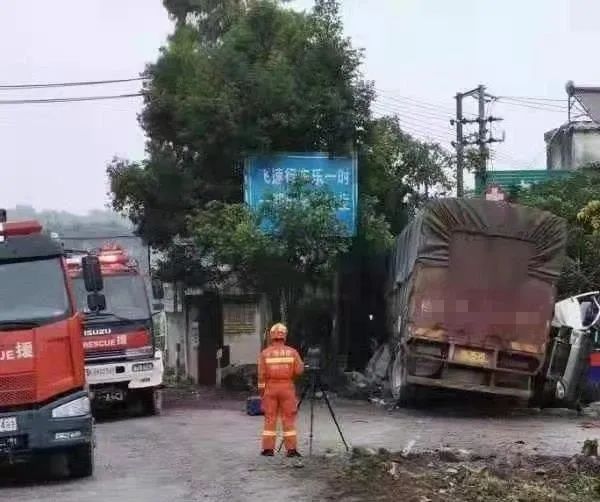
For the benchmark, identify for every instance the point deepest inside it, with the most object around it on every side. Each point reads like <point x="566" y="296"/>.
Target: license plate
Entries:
<point x="111" y="396"/>
<point x="100" y="372"/>
<point x="475" y="357"/>
<point x="8" y="424"/>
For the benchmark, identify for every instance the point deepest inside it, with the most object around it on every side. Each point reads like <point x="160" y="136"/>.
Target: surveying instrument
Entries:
<point x="313" y="368"/>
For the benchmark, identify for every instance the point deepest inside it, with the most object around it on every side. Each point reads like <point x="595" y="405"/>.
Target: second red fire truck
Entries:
<point x="122" y="362"/>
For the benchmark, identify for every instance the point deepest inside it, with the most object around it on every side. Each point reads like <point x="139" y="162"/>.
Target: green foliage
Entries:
<point x="251" y="76"/>
<point x="590" y="215"/>
<point x="273" y="80"/>
<point x="567" y="198"/>
<point x="401" y="171"/>
<point x="292" y="244"/>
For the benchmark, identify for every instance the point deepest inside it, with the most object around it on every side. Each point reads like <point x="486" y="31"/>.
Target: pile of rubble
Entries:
<point x="373" y="383"/>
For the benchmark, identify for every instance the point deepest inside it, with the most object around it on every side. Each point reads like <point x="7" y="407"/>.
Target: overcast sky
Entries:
<point x="419" y="53"/>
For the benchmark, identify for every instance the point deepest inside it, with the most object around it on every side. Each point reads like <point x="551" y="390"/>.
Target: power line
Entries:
<point x="398" y="110"/>
<point x="533" y="106"/>
<point x="69" y="84"/>
<point x="536" y="104"/>
<point x="404" y="119"/>
<point x="423" y="129"/>
<point x="68" y="100"/>
<point x="420" y="130"/>
<point x="419" y="112"/>
<point x="528" y="98"/>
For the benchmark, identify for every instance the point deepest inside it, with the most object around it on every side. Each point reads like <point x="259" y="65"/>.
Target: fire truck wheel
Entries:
<point x="81" y="461"/>
<point x="152" y="400"/>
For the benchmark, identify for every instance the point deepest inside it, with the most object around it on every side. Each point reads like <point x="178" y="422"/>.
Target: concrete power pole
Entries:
<point x="482" y="137"/>
<point x="460" y="187"/>
<point x="482" y="132"/>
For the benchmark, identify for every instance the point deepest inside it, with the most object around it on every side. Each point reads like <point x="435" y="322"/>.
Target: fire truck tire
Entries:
<point x="81" y="461"/>
<point x="152" y="401"/>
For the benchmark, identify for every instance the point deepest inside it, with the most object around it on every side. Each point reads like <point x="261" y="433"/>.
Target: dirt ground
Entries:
<point x="205" y="448"/>
<point x="436" y="477"/>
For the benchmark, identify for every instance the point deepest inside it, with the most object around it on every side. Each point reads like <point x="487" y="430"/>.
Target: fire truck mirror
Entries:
<point x="96" y="302"/>
<point x="158" y="291"/>
<point x="92" y="274"/>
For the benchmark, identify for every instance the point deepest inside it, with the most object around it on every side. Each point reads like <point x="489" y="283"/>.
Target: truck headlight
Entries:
<point x="142" y="366"/>
<point x="77" y="408"/>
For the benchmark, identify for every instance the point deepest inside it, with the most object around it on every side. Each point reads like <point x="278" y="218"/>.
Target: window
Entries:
<point x="33" y="290"/>
<point x="125" y="296"/>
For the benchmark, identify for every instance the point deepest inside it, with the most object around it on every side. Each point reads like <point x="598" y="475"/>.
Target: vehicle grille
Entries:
<point x="105" y="354"/>
<point x="17" y="389"/>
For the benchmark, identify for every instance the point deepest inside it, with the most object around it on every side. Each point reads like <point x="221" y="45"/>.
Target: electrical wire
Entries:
<point x="416" y="120"/>
<point x="428" y="105"/>
<point x="422" y="128"/>
<point x="432" y="107"/>
<point x="528" y="98"/>
<point x="533" y="106"/>
<point x="69" y="84"/>
<point x="68" y="100"/>
<point x="418" y="112"/>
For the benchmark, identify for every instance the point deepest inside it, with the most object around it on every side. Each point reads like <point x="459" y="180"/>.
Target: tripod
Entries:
<point x="311" y="388"/>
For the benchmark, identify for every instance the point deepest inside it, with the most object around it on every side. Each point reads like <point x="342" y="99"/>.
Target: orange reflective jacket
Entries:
<point x="278" y="363"/>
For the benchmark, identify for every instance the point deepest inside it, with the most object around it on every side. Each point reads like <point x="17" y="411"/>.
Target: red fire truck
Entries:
<point x="44" y="402"/>
<point x="123" y="365"/>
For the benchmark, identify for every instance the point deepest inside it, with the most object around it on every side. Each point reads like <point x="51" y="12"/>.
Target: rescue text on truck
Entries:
<point x="123" y="365"/>
<point x="44" y="403"/>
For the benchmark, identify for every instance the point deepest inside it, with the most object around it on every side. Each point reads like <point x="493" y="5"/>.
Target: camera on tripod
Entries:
<point x="312" y="360"/>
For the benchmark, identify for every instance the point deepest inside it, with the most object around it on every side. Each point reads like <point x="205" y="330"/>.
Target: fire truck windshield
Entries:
<point x="32" y="291"/>
<point x="125" y="296"/>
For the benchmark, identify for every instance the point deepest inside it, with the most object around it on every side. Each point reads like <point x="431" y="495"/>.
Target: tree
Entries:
<point x="268" y="79"/>
<point x="590" y="216"/>
<point x="289" y="246"/>
<point x="400" y="171"/>
<point x="574" y="199"/>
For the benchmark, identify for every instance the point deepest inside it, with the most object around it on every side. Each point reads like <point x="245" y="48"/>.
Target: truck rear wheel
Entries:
<point x="403" y="392"/>
<point x="80" y="461"/>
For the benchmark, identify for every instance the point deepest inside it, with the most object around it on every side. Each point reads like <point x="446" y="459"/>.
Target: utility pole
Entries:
<point x="460" y="188"/>
<point x="482" y="131"/>
<point x="482" y="137"/>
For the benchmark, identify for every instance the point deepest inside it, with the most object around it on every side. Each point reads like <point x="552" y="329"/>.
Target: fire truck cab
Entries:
<point x="123" y="365"/>
<point x="44" y="401"/>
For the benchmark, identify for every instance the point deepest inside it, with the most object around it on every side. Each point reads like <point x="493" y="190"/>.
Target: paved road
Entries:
<point x="209" y="453"/>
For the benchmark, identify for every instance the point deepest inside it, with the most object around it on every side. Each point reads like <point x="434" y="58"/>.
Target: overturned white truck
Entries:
<point x="470" y="298"/>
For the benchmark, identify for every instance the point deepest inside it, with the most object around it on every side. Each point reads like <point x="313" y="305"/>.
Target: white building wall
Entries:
<point x="241" y="331"/>
<point x="586" y="147"/>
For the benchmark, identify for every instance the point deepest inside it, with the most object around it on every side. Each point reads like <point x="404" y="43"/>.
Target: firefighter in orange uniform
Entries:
<point x="278" y="366"/>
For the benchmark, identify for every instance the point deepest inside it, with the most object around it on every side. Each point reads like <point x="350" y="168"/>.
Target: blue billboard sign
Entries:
<point x="266" y="175"/>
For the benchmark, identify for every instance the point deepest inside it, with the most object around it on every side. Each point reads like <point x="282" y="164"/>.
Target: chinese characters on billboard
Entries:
<point x="272" y="174"/>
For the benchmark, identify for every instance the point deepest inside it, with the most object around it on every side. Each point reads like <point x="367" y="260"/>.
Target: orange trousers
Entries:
<point x="279" y="400"/>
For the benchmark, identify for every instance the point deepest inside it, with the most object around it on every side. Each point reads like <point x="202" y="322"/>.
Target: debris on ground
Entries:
<point x="429" y="477"/>
<point x="590" y="448"/>
<point x="592" y="410"/>
<point x="376" y="370"/>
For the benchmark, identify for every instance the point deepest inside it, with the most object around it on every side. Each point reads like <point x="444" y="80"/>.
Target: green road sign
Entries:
<point x="522" y="178"/>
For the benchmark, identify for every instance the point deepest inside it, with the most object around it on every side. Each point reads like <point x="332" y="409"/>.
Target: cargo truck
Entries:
<point x="470" y="297"/>
<point x="123" y="364"/>
<point x="44" y="401"/>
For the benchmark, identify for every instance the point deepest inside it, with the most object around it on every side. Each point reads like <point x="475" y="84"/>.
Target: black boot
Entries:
<point x="267" y="453"/>
<point x="293" y="453"/>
